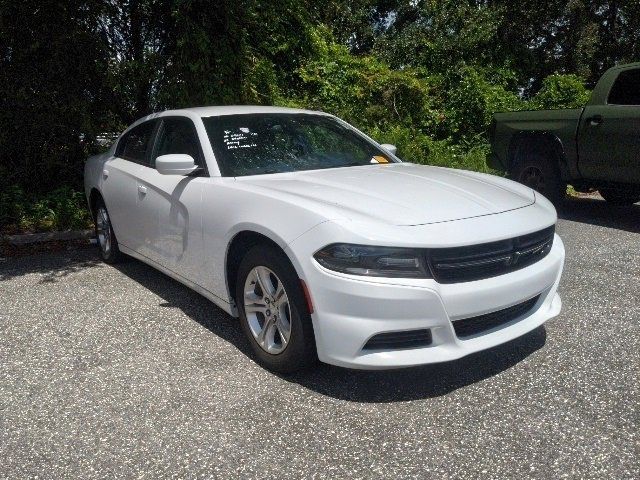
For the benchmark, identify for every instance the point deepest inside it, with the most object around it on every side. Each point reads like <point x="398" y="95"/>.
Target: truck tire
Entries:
<point x="542" y="174"/>
<point x="617" y="197"/>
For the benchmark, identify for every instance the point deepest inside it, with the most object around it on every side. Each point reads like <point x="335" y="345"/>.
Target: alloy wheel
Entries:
<point x="267" y="309"/>
<point x="103" y="230"/>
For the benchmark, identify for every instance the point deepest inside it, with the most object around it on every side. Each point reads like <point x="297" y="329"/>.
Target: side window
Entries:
<point x="626" y="88"/>
<point x="178" y="135"/>
<point x="135" y="143"/>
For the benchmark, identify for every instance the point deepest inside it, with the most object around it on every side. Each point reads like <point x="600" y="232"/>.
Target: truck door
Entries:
<point x="609" y="134"/>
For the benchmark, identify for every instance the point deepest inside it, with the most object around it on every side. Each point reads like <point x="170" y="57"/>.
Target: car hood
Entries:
<point x="400" y="193"/>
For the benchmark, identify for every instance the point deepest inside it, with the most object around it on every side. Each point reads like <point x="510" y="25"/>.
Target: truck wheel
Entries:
<point x="616" y="197"/>
<point x="541" y="174"/>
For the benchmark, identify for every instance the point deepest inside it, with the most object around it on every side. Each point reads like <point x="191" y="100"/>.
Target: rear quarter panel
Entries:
<point x="92" y="168"/>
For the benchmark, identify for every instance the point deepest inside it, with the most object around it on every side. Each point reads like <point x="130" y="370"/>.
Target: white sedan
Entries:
<point x="322" y="241"/>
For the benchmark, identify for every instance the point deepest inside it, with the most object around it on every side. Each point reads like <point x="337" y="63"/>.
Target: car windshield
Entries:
<point x="255" y="144"/>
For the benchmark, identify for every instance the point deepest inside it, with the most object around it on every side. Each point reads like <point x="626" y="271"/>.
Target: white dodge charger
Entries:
<point x="322" y="241"/>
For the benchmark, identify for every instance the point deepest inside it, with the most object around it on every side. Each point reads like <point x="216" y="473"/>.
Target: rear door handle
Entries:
<point x="142" y="190"/>
<point x="105" y="173"/>
<point x="595" y="120"/>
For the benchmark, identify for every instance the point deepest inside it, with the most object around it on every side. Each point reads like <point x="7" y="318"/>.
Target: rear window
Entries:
<point x="626" y="89"/>
<point x="135" y="144"/>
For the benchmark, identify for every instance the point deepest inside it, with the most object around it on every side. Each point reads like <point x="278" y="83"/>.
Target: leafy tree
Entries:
<point x="52" y="94"/>
<point x="140" y="37"/>
<point x="432" y="34"/>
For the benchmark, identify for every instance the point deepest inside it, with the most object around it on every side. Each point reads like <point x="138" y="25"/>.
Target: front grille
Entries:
<point x="481" y="323"/>
<point x="399" y="340"/>
<point x="476" y="262"/>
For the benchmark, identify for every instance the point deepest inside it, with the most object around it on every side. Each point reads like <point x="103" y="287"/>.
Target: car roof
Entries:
<point x="215" y="111"/>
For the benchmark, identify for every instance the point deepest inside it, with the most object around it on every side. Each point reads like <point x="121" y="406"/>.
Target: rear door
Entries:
<point x="169" y="205"/>
<point x="609" y="134"/>
<point x="119" y="182"/>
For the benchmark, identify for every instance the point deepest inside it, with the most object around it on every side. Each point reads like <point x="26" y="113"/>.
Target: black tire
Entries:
<point x="109" y="250"/>
<point x="620" y="198"/>
<point x="542" y="174"/>
<point x="300" y="350"/>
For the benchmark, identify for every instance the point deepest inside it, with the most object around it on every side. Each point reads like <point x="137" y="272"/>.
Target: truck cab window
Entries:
<point x="626" y="89"/>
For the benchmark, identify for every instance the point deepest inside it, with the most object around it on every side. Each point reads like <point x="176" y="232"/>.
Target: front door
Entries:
<point x="169" y="205"/>
<point x="609" y="135"/>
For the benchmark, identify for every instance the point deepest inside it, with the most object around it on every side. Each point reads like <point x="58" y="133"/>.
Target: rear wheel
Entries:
<point x="273" y="311"/>
<point x="617" y="197"/>
<point x="542" y="174"/>
<point x="107" y="242"/>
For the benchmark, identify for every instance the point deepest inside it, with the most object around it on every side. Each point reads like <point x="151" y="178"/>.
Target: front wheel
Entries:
<point x="621" y="198"/>
<point x="273" y="311"/>
<point x="541" y="174"/>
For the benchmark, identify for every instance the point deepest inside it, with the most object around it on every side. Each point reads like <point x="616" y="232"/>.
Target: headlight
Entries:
<point x="373" y="261"/>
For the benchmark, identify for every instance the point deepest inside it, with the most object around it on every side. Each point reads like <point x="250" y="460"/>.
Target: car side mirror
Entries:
<point x="392" y="149"/>
<point x="175" y="164"/>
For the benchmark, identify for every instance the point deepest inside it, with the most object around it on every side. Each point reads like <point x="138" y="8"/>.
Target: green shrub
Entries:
<point x="561" y="91"/>
<point x="416" y="147"/>
<point x="468" y="97"/>
<point x="362" y="90"/>
<point x="61" y="209"/>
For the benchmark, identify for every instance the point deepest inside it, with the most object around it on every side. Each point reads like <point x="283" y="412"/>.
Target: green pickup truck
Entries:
<point x="592" y="148"/>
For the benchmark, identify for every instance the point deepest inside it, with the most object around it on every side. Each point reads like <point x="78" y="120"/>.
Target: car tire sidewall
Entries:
<point x="554" y="187"/>
<point x="300" y="353"/>
<point x="114" y="254"/>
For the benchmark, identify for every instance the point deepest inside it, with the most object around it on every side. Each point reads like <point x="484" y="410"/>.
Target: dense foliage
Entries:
<point x="426" y="75"/>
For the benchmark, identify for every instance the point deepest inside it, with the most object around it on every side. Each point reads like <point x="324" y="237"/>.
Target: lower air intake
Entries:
<point x="468" y="327"/>
<point x="399" y="340"/>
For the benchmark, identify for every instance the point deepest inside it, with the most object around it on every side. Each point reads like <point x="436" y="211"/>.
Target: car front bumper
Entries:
<point x="349" y="310"/>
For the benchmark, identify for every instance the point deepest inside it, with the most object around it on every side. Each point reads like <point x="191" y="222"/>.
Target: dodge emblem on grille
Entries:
<point x="513" y="259"/>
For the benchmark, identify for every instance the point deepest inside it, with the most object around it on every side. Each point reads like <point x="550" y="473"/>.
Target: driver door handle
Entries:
<point x="595" y="120"/>
<point x="142" y="190"/>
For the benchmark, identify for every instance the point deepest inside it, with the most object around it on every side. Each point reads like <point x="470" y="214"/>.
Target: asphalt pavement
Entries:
<point x="121" y="372"/>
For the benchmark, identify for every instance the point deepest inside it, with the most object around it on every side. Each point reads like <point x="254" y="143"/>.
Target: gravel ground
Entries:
<point x="122" y="372"/>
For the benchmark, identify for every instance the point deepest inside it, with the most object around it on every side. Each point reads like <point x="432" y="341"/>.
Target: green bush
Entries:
<point x="468" y="97"/>
<point x="561" y="91"/>
<point x="362" y="90"/>
<point x="61" y="209"/>
<point x="420" y="148"/>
